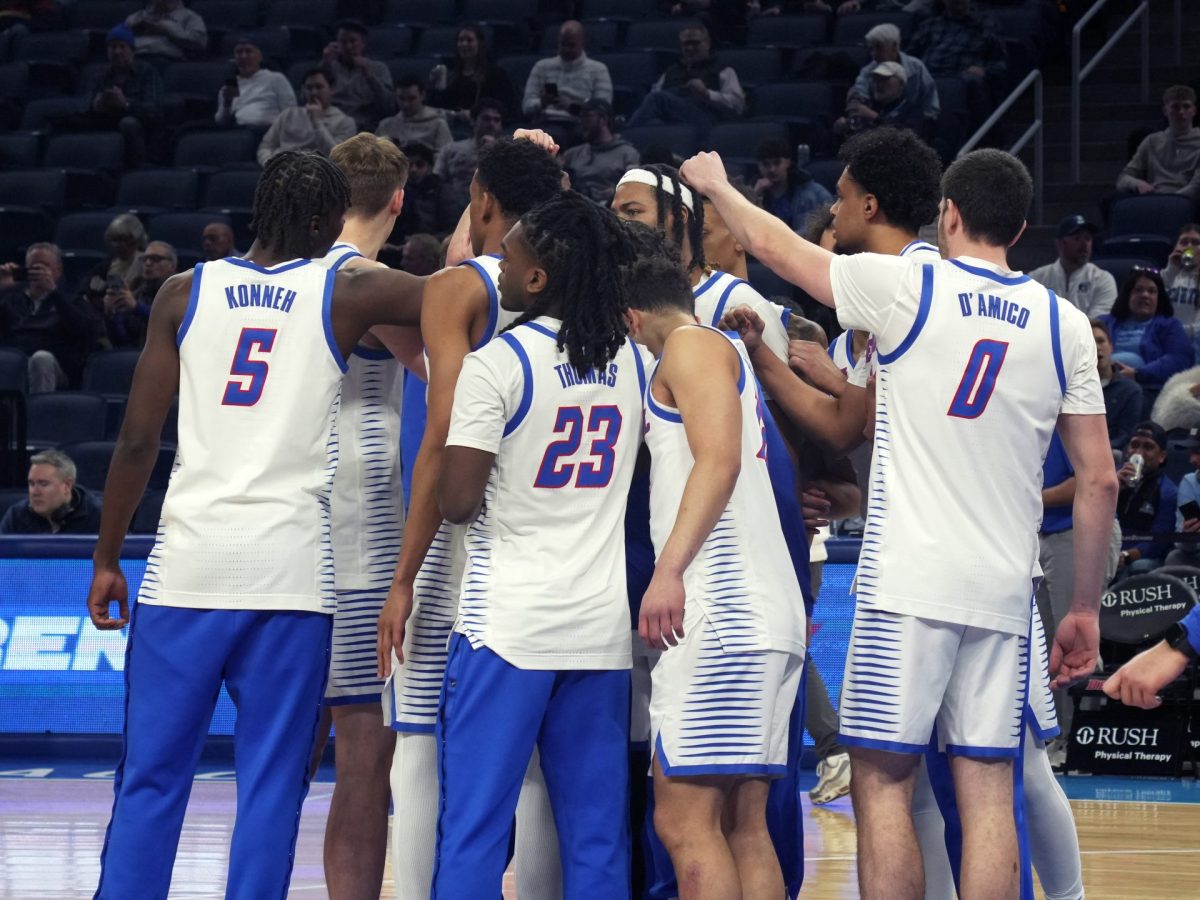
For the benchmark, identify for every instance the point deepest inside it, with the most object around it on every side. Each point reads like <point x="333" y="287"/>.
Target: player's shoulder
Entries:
<point x="696" y="347"/>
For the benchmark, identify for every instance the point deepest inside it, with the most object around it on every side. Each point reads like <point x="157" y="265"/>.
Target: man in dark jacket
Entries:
<point x="598" y="163"/>
<point x="127" y="96"/>
<point x="696" y="91"/>
<point x="1146" y="502"/>
<point x="56" y="504"/>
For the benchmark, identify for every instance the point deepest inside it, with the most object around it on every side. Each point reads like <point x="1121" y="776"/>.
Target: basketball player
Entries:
<point x="959" y="448"/>
<point x="239" y="586"/>
<point x="367" y="510"/>
<point x="416" y="622"/>
<point x="545" y="432"/>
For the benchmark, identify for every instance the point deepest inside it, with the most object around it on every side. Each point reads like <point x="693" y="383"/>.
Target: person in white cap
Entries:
<point x="883" y="43"/>
<point x="884" y="104"/>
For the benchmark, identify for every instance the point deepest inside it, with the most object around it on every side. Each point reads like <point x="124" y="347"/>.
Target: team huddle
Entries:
<point x="577" y="643"/>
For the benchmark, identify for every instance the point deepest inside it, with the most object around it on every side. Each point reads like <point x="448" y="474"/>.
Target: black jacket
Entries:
<point x="80" y="516"/>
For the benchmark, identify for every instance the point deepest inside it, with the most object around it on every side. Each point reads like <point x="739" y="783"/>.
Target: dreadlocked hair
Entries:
<point x="584" y="250"/>
<point x="295" y="186"/>
<point x="668" y="196"/>
<point x="649" y="243"/>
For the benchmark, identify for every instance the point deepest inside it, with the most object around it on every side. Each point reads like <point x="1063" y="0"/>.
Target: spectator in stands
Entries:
<point x="216" y="241"/>
<point x="598" y="163"/>
<point x="457" y="161"/>
<point x="56" y="505"/>
<point x="471" y="78"/>
<point x="558" y="87"/>
<point x="126" y="238"/>
<point x="1168" y="161"/>
<point x="362" y="86"/>
<point x="318" y="125"/>
<point x="426" y="196"/>
<point x="1187" y="553"/>
<point x="1122" y="396"/>
<point x="168" y="30"/>
<point x="422" y="254"/>
<point x="782" y="189"/>
<point x="1182" y="279"/>
<point x="1146" y="502"/>
<point x="256" y="96"/>
<point x="884" y="104"/>
<point x="1149" y="343"/>
<point x="126" y="96"/>
<point x="920" y="90"/>
<point x="697" y="90"/>
<point x="956" y="42"/>
<point x="127" y="309"/>
<point x="53" y="329"/>
<point x="415" y="121"/>
<point x="1073" y="276"/>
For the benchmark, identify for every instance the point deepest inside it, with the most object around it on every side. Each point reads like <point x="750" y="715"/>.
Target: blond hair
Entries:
<point x="375" y="167"/>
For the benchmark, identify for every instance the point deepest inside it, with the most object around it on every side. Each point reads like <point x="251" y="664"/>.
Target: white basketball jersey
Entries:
<point x="544" y="585"/>
<point x="720" y="292"/>
<point x="367" y="503"/>
<point x="245" y="522"/>
<point x="742" y="578"/>
<point x="975" y="365"/>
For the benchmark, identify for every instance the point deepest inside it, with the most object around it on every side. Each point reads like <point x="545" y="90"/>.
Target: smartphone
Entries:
<point x="551" y="88"/>
<point x="115" y="283"/>
<point x="1190" y="510"/>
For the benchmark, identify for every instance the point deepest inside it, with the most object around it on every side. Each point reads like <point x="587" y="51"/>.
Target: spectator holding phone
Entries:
<point x="126" y="308"/>
<point x="253" y="96"/>
<point x="558" y="87"/>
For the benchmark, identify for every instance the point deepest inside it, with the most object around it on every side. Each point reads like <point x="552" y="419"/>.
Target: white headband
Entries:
<point x="648" y="178"/>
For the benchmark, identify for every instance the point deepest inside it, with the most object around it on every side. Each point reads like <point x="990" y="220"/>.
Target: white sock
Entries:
<point x="537" y="865"/>
<point x="415" y="808"/>
<point x="1053" y="843"/>
<point x="931" y="835"/>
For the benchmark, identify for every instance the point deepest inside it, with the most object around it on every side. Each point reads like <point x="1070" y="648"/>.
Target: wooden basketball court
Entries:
<point x="1139" y="839"/>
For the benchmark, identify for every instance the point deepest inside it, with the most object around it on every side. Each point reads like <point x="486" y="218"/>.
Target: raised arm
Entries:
<point x="766" y="237"/>
<point x="155" y="383"/>
<point x="701" y="376"/>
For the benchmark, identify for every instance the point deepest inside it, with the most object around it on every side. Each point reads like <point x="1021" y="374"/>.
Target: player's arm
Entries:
<point x="835" y="422"/>
<point x="402" y="341"/>
<point x="155" y="383"/>
<point x="701" y="376"/>
<point x="1077" y="640"/>
<point x="1138" y="682"/>
<point x="476" y="429"/>
<point x="765" y="236"/>
<point x="366" y="296"/>
<point x="454" y="296"/>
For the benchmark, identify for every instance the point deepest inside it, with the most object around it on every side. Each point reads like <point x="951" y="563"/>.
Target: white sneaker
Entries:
<point x="833" y="779"/>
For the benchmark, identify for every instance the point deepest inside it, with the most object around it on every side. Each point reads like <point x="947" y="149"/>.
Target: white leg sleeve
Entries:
<point x="1053" y="843"/>
<point x="415" y="808"/>
<point x="537" y="866"/>
<point x="931" y="835"/>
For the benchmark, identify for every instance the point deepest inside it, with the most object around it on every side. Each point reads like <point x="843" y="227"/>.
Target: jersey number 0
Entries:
<point x="978" y="380"/>
<point x="594" y="471"/>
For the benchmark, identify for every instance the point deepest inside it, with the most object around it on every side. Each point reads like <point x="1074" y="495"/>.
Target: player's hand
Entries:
<point x="538" y="137"/>
<point x="1138" y="682"/>
<point x="815" y="506"/>
<point x="108" y="585"/>
<point x="747" y="324"/>
<point x="811" y="361"/>
<point x="660" y="621"/>
<point x="393" y="620"/>
<point x="1075" y="649"/>
<point x="704" y="171"/>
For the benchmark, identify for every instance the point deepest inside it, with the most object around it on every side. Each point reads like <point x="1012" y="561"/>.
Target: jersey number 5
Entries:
<point x="603" y="426"/>
<point x="250" y="372"/>
<point x="978" y="380"/>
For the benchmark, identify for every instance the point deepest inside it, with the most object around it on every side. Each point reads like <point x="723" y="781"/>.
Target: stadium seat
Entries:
<point x="110" y="372"/>
<point x="78" y="264"/>
<point x="518" y="66"/>
<point x="442" y="40"/>
<point x="200" y="78"/>
<point x="40" y="113"/>
<point x="212" y="150"/>
<point x="496" y="11"/>
<point x="275" y="43"/>
<point x="620" y="10"/>
<point x="44" y="188"/>
<point x="155" y="190"/>
<point x="82" y="231"/>
<point x="602" y="35"/>
<point x="419" y="12"/>
<point x="64" y="417"/>
<point x="853" y="28"/>
<point x="14" y="80"/>
<point x="417" y="66"/>
<point x="19" y="149"/>
<point x="14" y="370"/>
<point x="70" y="47"/>
<point x="826" y="172"/>
<point x="737" y="141"/>
<point x="767" y="282"/>
<point x="11" y="496"/>
<point x="388" y="41"/>
<point x="839" y="65"/>
<point x="183" y="230"/>
<point x="148" y="513"/>
<point x="1119" y="267"/>
<point x="635" y="69"/>
<point x="1143" y="246"/>
<point x="1152" y="214"/>
<point x="754" y="65"/>
<point x="21" y="226"/>
<point x="679" y="139"/>
<point x="230" y="190"/>
<point x="234" y="15"/>
<point x="789" y="102"/>
<point x="656" y="34"/>
<point x="93" y="151"/>
<point x="101" y="15"/>
<point x="788" y="31"/>
<point x="305" y="13"/>
<point x="92" y="459"/>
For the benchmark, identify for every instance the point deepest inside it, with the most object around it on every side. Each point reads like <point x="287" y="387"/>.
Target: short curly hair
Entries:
<point x="519" y="174"/>
<point x="900" y="170"/>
